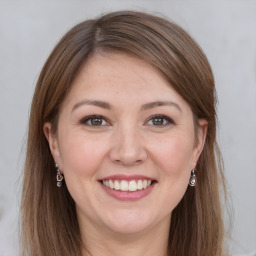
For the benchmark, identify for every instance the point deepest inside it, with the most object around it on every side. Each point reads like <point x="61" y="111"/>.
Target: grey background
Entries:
<point x="226" y="30"/>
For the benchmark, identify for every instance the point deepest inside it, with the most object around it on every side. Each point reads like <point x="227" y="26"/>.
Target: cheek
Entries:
<point x="81" y="158"/>
<point x="174" y="159"/>
<point x="174" y="155"/>
<point x="81" y="155"/>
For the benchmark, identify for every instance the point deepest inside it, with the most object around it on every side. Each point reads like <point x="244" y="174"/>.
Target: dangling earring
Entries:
<point x="192" y="179"/>
<point x="59" y="176"/>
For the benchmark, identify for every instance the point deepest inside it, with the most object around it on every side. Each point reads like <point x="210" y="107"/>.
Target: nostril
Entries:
<point x="127" y="161"/>
<point x="128" y="151"/>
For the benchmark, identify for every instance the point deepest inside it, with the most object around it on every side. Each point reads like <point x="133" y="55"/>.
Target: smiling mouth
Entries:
<point x="130" y="186"/>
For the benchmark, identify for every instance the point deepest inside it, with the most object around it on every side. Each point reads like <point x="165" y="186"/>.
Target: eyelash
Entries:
<point x="164" y="119"/>
<point x="88" y="119"/>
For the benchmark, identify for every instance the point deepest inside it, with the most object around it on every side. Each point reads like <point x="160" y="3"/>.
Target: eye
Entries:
<point x="160" y="120"/>
<point x="94" y="120"/>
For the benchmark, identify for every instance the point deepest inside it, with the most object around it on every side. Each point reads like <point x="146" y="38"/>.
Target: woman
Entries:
<point x="124" y="113"/>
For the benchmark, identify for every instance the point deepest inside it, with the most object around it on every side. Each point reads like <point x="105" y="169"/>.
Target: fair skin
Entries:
<point x="122" y="121"/>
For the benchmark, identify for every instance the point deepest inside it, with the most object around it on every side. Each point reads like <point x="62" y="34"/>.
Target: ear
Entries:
<point x="200" y="140"/>
<point x="53" y="142"/>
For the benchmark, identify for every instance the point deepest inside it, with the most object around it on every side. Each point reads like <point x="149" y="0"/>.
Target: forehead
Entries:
<point x="121" y="78"/>
<point x="111" y="67"/>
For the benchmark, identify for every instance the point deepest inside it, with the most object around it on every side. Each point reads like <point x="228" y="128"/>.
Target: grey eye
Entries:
<point x="94" y="121"/>
<point x="160" y="120"/>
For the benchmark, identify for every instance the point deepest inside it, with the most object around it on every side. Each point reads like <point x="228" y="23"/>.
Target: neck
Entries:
<point x="150" y="242"/>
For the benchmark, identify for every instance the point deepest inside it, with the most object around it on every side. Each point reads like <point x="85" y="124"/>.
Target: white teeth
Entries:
<point x="116" y="185"/>
<point x="124" y="185"/>
<point x="139" y="184"/>
<point x="111" y="184"/>
<point x="132" y="185"/>
<point x="145" y="184"/>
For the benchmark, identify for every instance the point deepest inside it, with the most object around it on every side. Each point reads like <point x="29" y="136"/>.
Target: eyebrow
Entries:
<point x="97" y="103"/>
<point x="105" y="105"/>
<point x="159" y="104"/>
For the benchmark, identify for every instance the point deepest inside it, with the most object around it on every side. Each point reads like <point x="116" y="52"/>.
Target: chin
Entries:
<point x="129" y="228"/>
<point x="129" y="222"/>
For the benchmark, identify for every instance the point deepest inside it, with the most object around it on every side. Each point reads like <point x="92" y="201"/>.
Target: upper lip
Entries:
<point x="127" y="177"/>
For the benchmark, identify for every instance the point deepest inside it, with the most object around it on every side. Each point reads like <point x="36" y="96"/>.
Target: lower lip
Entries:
<point x="128" y="195"/>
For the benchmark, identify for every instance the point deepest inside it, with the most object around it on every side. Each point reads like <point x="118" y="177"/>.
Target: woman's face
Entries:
<point x="126" y="145"/>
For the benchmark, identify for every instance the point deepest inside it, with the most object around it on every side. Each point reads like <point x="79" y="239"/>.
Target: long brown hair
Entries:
<point x="49" y="221"/>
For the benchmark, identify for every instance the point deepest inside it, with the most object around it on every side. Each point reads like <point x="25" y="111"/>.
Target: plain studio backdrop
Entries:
<point x="226" y="30"/>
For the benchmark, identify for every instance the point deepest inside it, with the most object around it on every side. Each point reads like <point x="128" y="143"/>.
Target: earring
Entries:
<point x="192" y="179"/>
<point x="59" y="176"/>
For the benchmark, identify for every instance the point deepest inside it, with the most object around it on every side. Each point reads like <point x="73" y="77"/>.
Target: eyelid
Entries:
<point x="169" y="120"/>
<point x="84" y="120"/>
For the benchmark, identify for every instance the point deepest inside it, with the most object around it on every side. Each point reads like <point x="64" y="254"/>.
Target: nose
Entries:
<point x="128" y="146"/>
